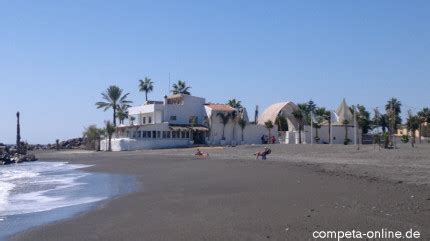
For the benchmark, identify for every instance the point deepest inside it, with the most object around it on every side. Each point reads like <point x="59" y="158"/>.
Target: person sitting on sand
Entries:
<point x="264" y="153"/>
<point x="199" y="153"/>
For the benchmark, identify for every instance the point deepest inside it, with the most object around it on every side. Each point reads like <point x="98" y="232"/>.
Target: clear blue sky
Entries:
<point x="58" y="56"/>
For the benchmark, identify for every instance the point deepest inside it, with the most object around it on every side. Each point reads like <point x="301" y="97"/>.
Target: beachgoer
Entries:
<point x="264" y="153"/>
<point x="273" y="139"/>
<point x="263" y="139"/>
<point x="199" y="153"/>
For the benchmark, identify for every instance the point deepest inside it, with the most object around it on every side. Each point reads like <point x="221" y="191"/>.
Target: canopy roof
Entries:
<point x="283" y="108"/>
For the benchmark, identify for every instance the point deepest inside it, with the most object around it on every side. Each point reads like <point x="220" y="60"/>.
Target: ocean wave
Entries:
<point x="41" y="186"/>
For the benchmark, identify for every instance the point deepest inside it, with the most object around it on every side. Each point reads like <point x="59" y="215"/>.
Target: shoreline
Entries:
<point x="231" y="196"/>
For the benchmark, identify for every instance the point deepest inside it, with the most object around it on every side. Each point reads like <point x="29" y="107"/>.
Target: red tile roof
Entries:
<point x="220" y="107"/>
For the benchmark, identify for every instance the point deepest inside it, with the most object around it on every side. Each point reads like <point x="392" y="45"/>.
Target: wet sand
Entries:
<point x="232" y="196"/>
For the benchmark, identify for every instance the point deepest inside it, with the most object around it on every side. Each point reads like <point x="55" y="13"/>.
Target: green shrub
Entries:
<point x="405" y="138"/>
<point x="346" y="141"/>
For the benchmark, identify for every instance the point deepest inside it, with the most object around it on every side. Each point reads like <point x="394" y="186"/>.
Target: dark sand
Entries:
<point x="231" y="196"/>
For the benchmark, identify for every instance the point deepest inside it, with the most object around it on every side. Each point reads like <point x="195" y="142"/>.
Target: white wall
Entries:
<point x="338" y="134"/>
<point x="127" y="144"/>
<point x="251" y="134"/>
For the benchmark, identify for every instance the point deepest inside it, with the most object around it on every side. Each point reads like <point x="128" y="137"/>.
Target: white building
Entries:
<point x="182" y="120"/>
<point x="335" y="130"/>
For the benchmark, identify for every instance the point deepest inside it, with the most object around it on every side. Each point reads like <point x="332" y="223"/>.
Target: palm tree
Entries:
<point x="393" y="110"/>
<point x="384" y="123"/>
<point x="122" y="113"/>
<point x="345" y="124"/>
<point x="225" y="117"/>
<point x="113" y="99"/>
<point x="304" y="108"/>
<point x="181" y="88"/>
<point x="424" y="117"/>
<point x="110" y="130"/>
<point x="413" y="124"/>
<point x="132" y="119"/>
<point x="325" y="116"/>
<point x="235" y="118"/>
<point x="237" y="104"/>
<point x="242" y="123"/>
<point x="363" y="119"/>
<point x="281" y="122"/>
<point x="146" y="86"/>
<point x="298" y="115"/>
<point x="321" y="115"/>
<point x="269" y="125"/>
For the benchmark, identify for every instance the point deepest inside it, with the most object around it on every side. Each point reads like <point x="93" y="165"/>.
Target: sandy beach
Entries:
<point x="232" y="196"/>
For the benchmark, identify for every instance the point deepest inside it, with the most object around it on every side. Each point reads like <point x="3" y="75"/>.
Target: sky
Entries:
<point x="56" y="57"/>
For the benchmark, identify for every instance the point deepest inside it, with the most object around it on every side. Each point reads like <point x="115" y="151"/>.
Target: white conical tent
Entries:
<point x="344" y="113"/>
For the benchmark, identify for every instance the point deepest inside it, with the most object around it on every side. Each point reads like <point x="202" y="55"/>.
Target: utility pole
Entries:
<point x="256" y="114"/>
<point x="355" y="125"/>
<point x="357" y="131"/>
<point x="18" y="132"/>
<point x="312" y="128"/>
<point x="169" y="85"/>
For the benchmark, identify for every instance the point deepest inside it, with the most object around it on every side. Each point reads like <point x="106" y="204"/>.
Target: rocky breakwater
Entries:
<point x="14" y="155"/>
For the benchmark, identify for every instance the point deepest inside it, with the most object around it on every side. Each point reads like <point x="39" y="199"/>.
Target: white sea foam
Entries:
<point x="29" y="187"/>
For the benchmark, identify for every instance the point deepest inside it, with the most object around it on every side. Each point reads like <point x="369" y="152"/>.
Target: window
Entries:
<point x="173" y="134"/>
<point x="143" y="134"/>
<point x="139" y="134"/>
<point x="187" y="134"/>
<point x="154" y="134"/>
<point x="173" y="117"/>
<point x="168" y="134"/>
<point x="164" y="134"/>
<point x="149" y="120"/>
<point x="148" y="134"/>
<point x="158" y="134"/>
<point x="143" y="120"/>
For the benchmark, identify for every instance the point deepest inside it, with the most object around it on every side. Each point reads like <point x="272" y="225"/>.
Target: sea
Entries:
<point x="37" y="193"/>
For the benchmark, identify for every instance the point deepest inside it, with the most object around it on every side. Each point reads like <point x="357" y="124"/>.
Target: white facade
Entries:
<point x="233" y="133"/>
<point x="338" y="135"/>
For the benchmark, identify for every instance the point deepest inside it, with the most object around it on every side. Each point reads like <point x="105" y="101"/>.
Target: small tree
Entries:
<point x="92" y="136"/>
<point x="269" y="126"/>
<point x="110" y="130"/>
<point x="404" y="138"/>
<point x="424" y="117"/>
<point x="225" y="117"/>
